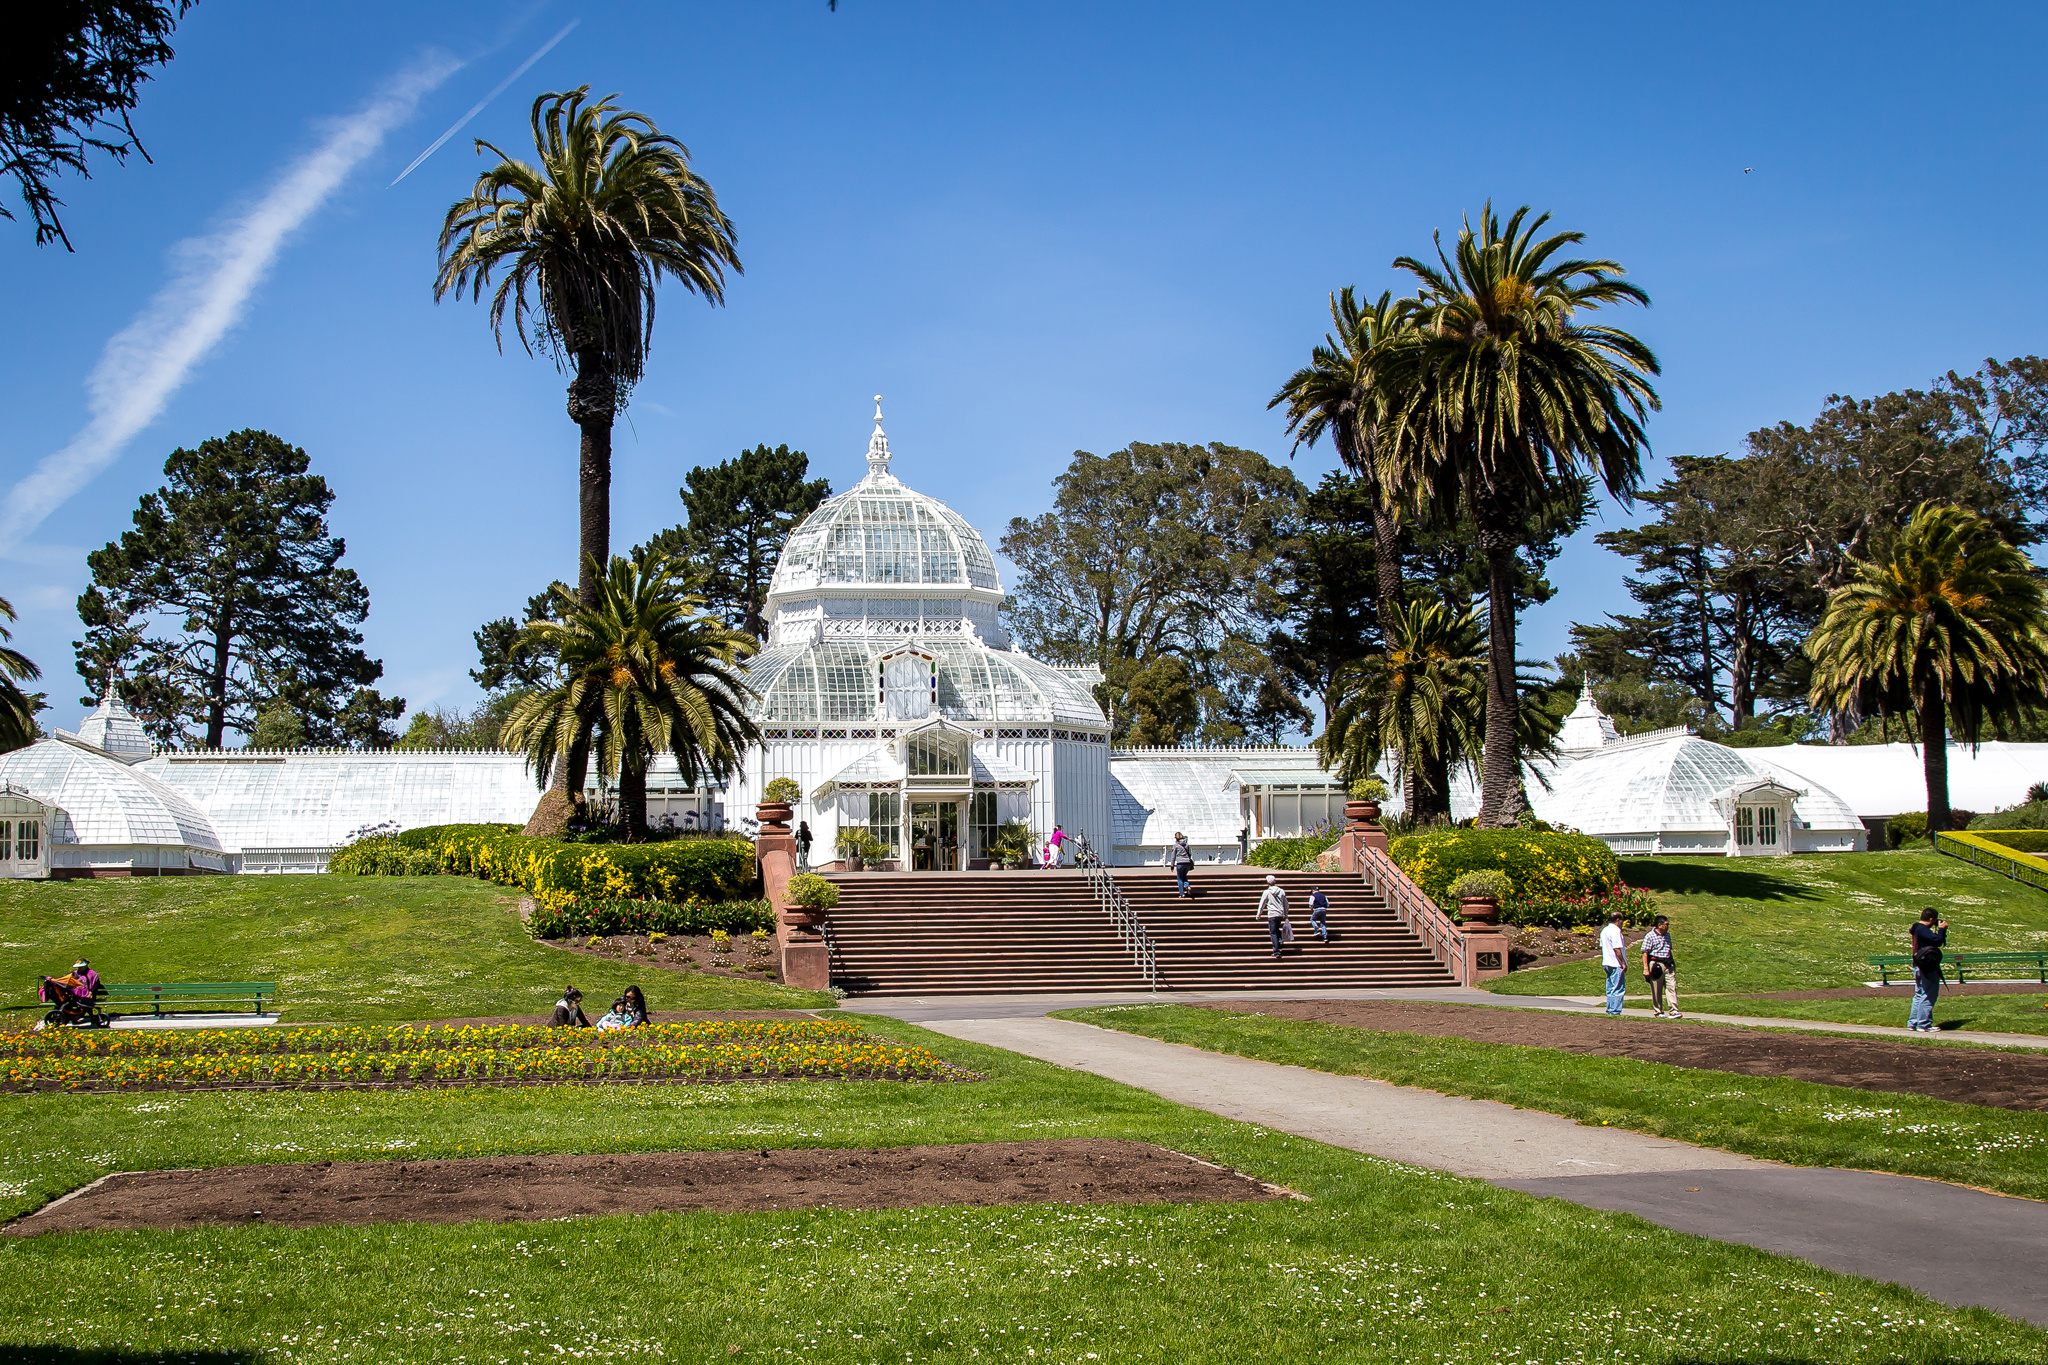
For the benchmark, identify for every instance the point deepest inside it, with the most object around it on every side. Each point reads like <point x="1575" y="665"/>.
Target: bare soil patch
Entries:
<point x="746" y="958"/>
<point x="2005" y="1080"/>
<point x="531" y="1188"/>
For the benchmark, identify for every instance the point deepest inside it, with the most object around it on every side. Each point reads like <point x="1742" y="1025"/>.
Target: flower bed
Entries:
<point x="512" y="1054"/>
<point x="607" y="917"/>
<point x="556" y="873"/>
<point x="1638" y="907"/>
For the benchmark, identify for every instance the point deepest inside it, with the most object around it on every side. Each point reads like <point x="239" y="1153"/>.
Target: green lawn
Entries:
<point x="1382" y="1262"/>
<point x="1796" y="1122"/>
<point x="1808" y="922"/>
<point x="340" y="948"/>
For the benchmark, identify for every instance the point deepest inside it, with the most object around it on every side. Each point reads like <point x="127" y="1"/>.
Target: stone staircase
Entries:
<point x="994" y="932"/>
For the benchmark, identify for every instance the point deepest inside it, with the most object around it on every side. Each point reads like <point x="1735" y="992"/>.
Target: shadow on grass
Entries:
<point x="1743" y="881"/>
<point x="43" y="1353"/>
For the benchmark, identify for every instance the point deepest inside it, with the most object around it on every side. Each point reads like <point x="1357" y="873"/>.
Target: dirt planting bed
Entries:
<point x="532" y="1188"/>
<point x="746" y="958"/>
<point x="1968" y="1075"/>
<point x="653" y="1016"/>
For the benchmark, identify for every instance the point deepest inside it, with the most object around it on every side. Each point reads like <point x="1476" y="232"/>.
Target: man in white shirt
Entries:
<point x="1612" y="951"/>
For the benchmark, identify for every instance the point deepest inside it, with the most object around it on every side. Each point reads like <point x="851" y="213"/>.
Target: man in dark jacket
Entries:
<point x="1928" y="934"/>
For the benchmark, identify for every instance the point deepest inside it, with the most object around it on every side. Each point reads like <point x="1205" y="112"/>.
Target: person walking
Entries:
<point x="1183" y="859"/>
<point x="1612" y="948"/>
<point x="1273" y="906"/>
<point x="1319" y="913"/>
<point x="1661" y="970"/>
<point x="803" y="845"/>
<point x="1929" y="934"/>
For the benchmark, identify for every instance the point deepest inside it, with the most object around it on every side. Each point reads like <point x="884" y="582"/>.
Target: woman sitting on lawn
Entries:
<point x="569" y="1010"/>
<point x="636" y="1006"/>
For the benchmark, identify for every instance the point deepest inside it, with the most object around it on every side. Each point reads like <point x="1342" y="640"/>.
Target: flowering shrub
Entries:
<point x="650" y="917"/>
<point x="1292" y="855"/>
<point x="1538" y="865"/>
<point x="813" y="892"/>
<point x="383" y="856"/>
<point x="207" y="1058"/>
<point x="556" y="873"/>
<point x="1638" y="907"/>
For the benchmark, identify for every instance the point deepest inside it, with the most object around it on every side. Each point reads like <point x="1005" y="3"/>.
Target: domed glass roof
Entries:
<point x="108" y="801"/>
<point x="1668" y="784"/>
<point x="881" y="534"/>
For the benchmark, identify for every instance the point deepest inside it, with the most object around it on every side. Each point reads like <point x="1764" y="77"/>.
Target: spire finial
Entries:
<point x="878" y="446"/>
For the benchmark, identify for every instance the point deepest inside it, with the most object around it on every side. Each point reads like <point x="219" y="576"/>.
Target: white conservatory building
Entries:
<point x="890" y="692"/>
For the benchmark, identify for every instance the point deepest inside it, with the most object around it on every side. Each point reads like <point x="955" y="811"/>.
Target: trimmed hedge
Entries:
<point x="1539" y="866"/>
<point x="1292" y="855"/>
<point x="555" y="873"/>
<point x="2021" y="840"/>
<point x="649" y="917"/>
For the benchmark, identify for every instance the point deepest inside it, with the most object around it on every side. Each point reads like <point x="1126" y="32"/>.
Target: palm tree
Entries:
<point x="578" y="244"/>
<point x="1951" y="629"/>
<point x="1345" y="391"/>
<point x="1512" y="394"/>
<point x="1423" y="700"/>
<point x="652" y="672"/>
<point x="17" y="708"/>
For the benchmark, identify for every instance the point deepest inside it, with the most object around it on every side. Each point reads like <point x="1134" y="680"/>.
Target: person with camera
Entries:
<point x="1661" y="970"/>
<point x="1929" y="934"/>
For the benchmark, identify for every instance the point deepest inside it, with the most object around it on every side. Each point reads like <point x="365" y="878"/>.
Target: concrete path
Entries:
<point x="1957" y="1245"/>
<point x="184" y="1021"/>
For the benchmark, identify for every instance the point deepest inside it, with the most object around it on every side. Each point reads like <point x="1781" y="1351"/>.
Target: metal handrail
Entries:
<point x="1425" y="919"/>
<point x="2003" y="864"/>
<point x="1109" y="897"/>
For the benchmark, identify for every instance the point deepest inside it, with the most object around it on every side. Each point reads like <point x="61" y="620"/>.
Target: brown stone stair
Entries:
<point x="995" y="932"/>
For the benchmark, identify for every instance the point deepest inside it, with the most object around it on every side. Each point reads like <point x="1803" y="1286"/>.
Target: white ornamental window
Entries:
<point x="909" y="686"/>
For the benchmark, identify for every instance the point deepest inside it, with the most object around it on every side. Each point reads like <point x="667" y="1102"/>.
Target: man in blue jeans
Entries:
<point x="1613" y="957"/>
<point x="1929" y="936"/>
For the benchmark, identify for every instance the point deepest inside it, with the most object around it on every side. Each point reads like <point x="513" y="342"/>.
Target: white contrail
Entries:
<point x="152" y="357"/>
<point x="478" y="107"/>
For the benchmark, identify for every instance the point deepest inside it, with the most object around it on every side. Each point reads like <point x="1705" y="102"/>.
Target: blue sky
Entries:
<point x="1034" y="228"/>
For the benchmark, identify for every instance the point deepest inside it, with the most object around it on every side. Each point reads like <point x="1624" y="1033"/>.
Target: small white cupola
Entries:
<point x="1587" y="729"/>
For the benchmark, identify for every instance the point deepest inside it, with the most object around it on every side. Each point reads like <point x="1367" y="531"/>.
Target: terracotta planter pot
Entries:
<point x="803" y="921"/>
<point x="854" y="864"/>
<point x="1362" y="812"/>
<point x="774" y="816"/>
<point x="1479" y="909"/>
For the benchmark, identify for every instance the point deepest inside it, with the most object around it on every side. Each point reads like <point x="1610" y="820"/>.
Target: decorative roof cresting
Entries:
<point x="878" y="448"/>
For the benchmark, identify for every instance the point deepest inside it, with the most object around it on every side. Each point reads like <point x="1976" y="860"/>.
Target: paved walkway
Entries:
<point x="184" y="1021"/>
<point x="1957" y="1245"/>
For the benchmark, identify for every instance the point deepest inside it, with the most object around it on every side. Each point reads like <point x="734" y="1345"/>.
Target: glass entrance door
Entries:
<point x="935" y="836"/>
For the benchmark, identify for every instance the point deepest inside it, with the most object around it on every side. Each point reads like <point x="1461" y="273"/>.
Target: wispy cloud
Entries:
<point x="212" y="280"/>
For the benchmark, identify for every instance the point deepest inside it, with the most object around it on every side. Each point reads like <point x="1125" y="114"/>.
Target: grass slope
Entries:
<point x="1984" y="1013"/>
<point x="1383" y="1262"/>
<point x="1796" y="1122"/>
<point x="340" y="948"/>
<point x="1809" y="921"/>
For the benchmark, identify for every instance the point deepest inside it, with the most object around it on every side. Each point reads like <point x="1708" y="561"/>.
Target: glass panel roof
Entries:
<point x="880" y="532"/>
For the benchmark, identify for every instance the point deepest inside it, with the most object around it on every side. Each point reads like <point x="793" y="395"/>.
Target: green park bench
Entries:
<point x="181" y="996"/>
<point x="1963" y="963"/>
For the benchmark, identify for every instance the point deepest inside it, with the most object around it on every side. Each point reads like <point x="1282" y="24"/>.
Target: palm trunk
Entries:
<point x="593" y="404"/>
<point x="1934" y="757"/>
<point x="633" y="796"/>
<point x="576" y="771"/>
<point x="1386" y="564"/>
<point x="1499" y="778"/>
<point x="1430" y="790"/>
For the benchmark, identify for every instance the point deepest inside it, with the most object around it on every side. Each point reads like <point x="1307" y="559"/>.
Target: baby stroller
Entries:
<point x="72" y="1008"/>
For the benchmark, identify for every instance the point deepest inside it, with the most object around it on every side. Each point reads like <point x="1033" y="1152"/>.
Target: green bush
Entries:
<point x="2032" y="815"/>
<point x="1368" y="789"/>
<point x="1485" y="882"/>
<point x="812" y="892"/>
<point x="430" y="836"/>
<point x="649" y="917"/>
<point x="1901" y="830"/>
<point x="556" y="873"/>
<point x="783" y="789"/>
<point x="1292" y="855"/>
<point x="1638" y="907"/>
<point x="1538" y="865"/>
<point x="2019" y="840"/>
<point x="383" y="856"/>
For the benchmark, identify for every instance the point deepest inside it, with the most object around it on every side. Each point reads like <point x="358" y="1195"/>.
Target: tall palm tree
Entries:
<point x="577" y="245"/>
<point x="17" y="710"/>
<point x="1951" y="629"/>
<point x="1513" y="392"/>
<point x="652" y="672"/>
<point x="1345" y="392"/>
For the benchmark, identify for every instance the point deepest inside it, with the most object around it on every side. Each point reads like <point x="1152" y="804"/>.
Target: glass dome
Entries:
<point x="1666" y="785"/>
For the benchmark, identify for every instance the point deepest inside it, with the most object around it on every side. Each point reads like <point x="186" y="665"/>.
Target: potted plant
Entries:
<point x="873" y="851"/>
<point x="1479" y="895"/>
<point x="849" y="844"/>
<point x="777" y="800"/>
<point x="811" y="900"/>
<point x="1364" y="806"/>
